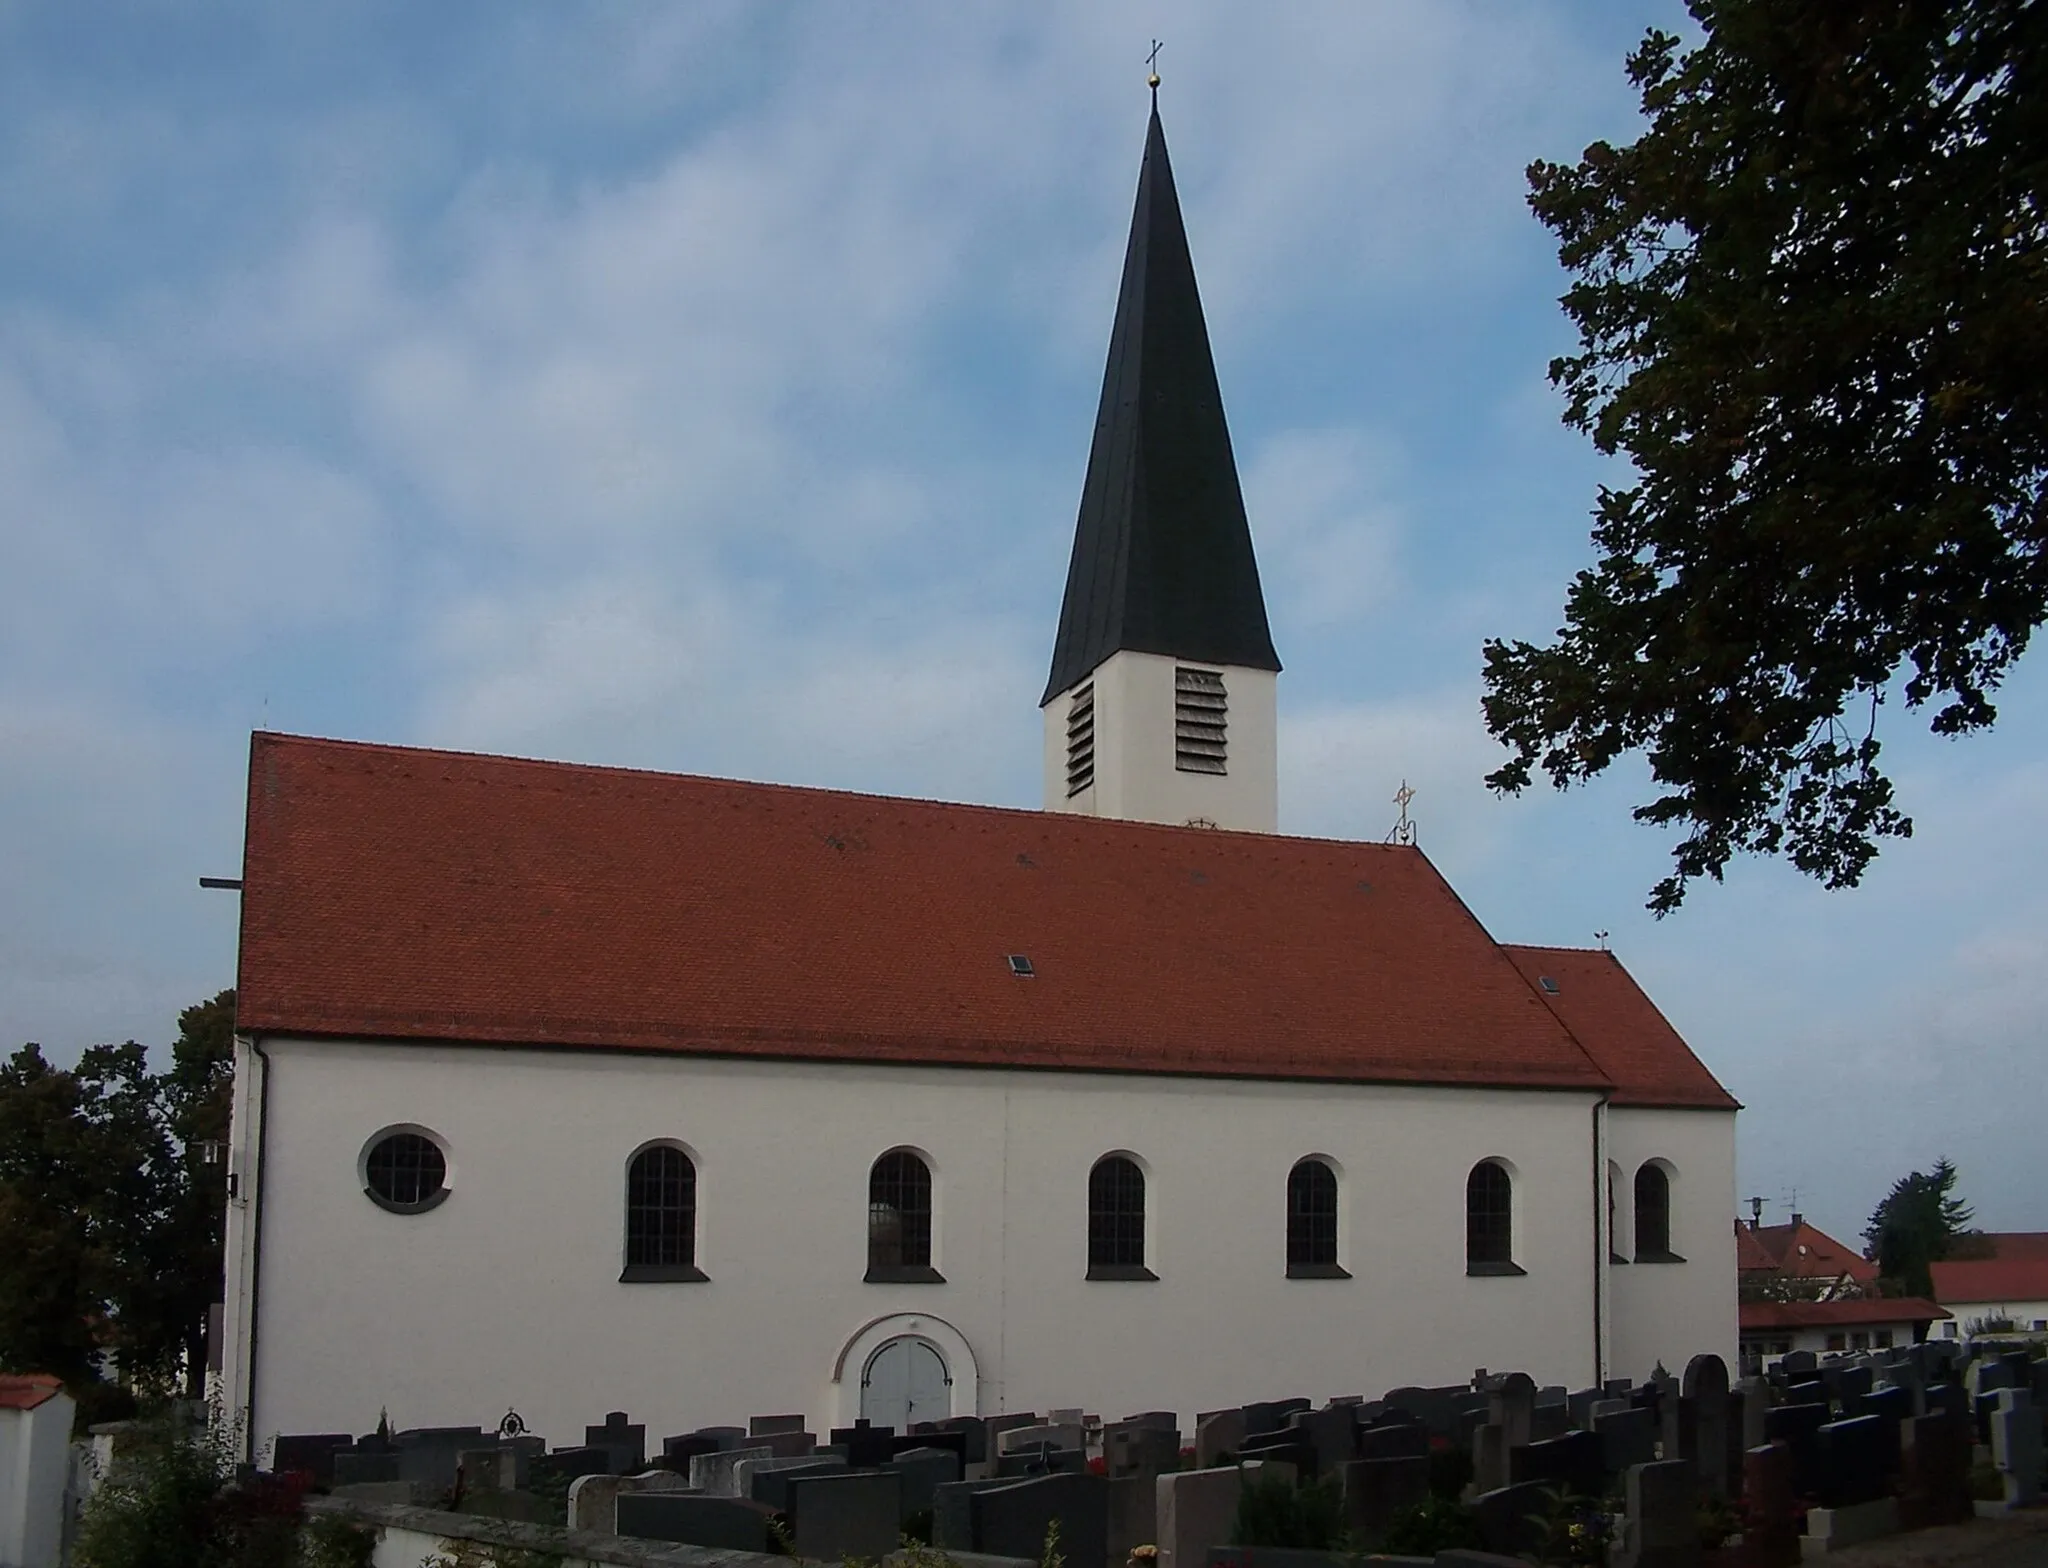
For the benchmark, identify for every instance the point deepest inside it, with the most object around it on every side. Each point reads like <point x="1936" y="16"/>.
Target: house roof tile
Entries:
<point x="1755" y="1316"/>
<point x="1991" y="1281"/>
<point x="27" y="1391"/>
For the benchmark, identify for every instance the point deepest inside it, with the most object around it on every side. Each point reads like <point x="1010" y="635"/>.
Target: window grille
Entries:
<point x="1311" y="1216"/>
<point x="899" y="1212"/>
<point x="1081" y="740"/>
<point x="1201" y="713"/>
<point x="1653" y="1212"/>
<point x="1116" y="1215"/>
<point x="661" y="1209"/>
<point x="1489" y="1217"/>
<point x="406" y="1170"/>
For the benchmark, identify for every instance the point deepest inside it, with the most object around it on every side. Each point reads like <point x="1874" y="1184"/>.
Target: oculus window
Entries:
<point x="405" y="1170"/>
<point x="1116" y="1220"/>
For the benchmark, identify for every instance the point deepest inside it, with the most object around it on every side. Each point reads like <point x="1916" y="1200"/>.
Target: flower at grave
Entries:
<point x="1098" y="1466"/>
<point x="1143" y="1556"/>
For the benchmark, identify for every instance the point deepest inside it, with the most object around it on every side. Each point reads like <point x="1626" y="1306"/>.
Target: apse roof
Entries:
<point x="401" y="894"/>
<point x="1162" y="558"/>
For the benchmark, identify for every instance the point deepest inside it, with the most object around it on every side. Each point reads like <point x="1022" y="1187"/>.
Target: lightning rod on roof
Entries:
<point x="1404" y="828"/>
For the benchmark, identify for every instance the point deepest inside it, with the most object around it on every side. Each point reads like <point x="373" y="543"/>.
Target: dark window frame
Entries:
<point x="1490" y="1220"/>
<point x="395" y="1162"/>
<point x="1653" y="1214"/>
<point x="900" y="1221"/>
<point x="1116" y="1220"/>
<point x="1312" y="1220"/>
<point x="661" y="1217"/>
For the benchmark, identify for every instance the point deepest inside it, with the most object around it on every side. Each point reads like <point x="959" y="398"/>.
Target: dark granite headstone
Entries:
<point x="1660" y="1528"/>
<point x="1796" y="1362"/>
<point x="834" y="1517"/>
<point x="761" y="1426"/>
<point x="1376" y="1491"/>
<point x="353" y="1467"/>
<point x="1934" y="1472"/>
<point x="1011" y="1521"/>
<point x="1770" y="1529"/>
<point x="681" y="1449"/>
<point x="954" y="1442"/>
<point x="728" y="1524"/>
<point x="1627" y="1437"/>
<point x="1514" y="1408"/>
<point x="975" y="1431"/>
<point x="1041" y="1459"/>
<point x="866" y="1446"/>
<point x="1794" y="1426"/>
<point x="1332" y="1433"/>
<point x="770" y="1486"/>
<point x="625" y="1441"/>
<point x="569" y="1463"/>
<point x="924" y="1471"/>
<point x="1399" y="1440"/>
<point x="1572" y="1463"/>
<point x="1853" y="1466"/>
<point x="311" y="1455"/>
<point x="1129" y="1449"/>
<point x="1509" y="1517"/>
<point x="1703" y="1423"/>
<point x="953" y="1512"/>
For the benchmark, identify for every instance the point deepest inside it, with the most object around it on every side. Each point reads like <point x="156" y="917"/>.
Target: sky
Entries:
<point x="708" y="388"/>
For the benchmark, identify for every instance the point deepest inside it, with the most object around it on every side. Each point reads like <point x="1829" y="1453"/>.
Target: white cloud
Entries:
<point x="1328" y="534"/>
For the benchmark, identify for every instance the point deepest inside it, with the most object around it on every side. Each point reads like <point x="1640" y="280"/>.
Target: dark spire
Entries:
<point x="1162" y="551"/>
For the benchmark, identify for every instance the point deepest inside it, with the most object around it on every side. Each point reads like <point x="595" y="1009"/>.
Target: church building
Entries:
<point x="564" y="1088"/>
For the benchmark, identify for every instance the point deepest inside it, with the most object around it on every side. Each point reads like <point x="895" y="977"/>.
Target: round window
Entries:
<point x="405" y="1172"/>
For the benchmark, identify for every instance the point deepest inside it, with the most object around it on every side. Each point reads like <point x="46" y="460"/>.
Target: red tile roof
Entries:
<point x="1799" y="1251"/>
<point x="407" y="894"/>
<point x="1991" y="1281"/>
<point x="2015" y="1243"/>
<point x="1620" y="1027"/>
<point x="1761" y="1316"/>
<point x="27" y="1391"/>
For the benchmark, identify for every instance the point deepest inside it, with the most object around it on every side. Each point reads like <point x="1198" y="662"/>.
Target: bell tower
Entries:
<point x="1160" y="703"/>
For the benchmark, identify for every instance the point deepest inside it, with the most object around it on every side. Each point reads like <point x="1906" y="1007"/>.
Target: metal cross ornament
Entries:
<point x="1404" y="829"/>
<point x="1152" y="66"/>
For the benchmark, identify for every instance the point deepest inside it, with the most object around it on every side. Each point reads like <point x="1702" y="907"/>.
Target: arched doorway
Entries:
<point x="905" y="1380"/>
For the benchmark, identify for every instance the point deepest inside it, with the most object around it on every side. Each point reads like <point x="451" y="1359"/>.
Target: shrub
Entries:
<point x="1436" y="1524"/>
<point x="175" y="1502"/>
<point x="1275" y="1512"/>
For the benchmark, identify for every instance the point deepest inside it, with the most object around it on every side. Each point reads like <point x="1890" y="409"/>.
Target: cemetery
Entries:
<point x="1750" y="1472"/>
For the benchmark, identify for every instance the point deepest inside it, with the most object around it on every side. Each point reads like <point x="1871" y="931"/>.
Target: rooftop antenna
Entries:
<point x="1601" y="938"/>
<point x="1152" y="72"/>
<point x="1756" y="1213"/>
<point x="1404" y="829"/>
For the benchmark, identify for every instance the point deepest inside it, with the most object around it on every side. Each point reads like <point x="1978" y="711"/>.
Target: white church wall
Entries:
<point x="507" y="1294"/>
<point x="1135" y="776"/>
<point x="1670" y="1312"/>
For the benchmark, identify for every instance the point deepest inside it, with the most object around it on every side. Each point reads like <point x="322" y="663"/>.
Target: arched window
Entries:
<point x="1489" y="1220"/>
<point x="900" y="1221"/>
<point x="1653" y="1215"/>
<point x="1116" y="1220"/>
<point x="661" y="1215"/>
<point x="1615" y="1252"/>
<point x="1312" y="1221"/>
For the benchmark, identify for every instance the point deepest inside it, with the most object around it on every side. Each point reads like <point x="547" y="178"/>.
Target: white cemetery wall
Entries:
<point x="2026" y="1317"/>
<point x="508" y="1293"/>
<point x="35" y="1467"/>
<point x="1671" y="1312"/>
<point x="1135" y="776"/>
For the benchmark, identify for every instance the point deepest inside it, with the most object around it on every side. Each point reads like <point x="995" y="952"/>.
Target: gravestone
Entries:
<point x="359" y="1468"/>
<point x="924" y="1471"/>
<point x="625" y="1441"/>
<point x="768" y="1480"/>
<point x="974" y="1431"/>
<point x="1770" y="1527"/>
<point x="834" y="1517"/>
<point x="1490" y="1456"/>
<point x="569" y="1463"/>
<point x="714" y="1474"/>
<point x="1288" y="1447"/>
<point x="1796" y="1363"/>
<point x="1041" y="1460"/>
<point x="1195" y="1510"/>
<point x="1166" y="1420"/>
<point x="1756" y="1401"/>
<point x="2016" y="1446"/>
<point x="1703" y="1422"/>
<point x="1934" y="1472"/>
<point x="1400" y="1440"/>
<point x="1011" y="1521"/>
<point x="721" y="1523"/>
<point x="1048" y="1435"/>
<point x="1851" y="1460"/>
<point x="493" y="1469"/>
<point x="1627" y="1437"/>
<point x="1131" y="1505"/>
<point x="1139" y="1450"/>
<point x="1332" y="1433"/>
<point x="1794" y="1426"/>
<point x="761" y="1426"/>
<point x="1847" y="1383"/>
<point x="866" y="1446"/>
<point x="594" y="1499"/>
<point x="1508" y="1517"/>
<point x="787" y="1445"/>
<point x="1573" y="1464"/>
<point x="1949" y="1398"/>
<point x="1513" y="1408"/>
<point x="1579" y="1404"/>
<point x="1908" y="1376"/>
<point x="1376" y="1491"/>
<point x="1552" y="1419"/>
<point x="1218" y="1437"/>
<point x="311" y="1455"/>
<point x="1660" y="1529"/>
<point x="953" y="1513"/>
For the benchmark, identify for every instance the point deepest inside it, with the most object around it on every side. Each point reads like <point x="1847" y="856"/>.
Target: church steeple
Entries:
<point x="1162" y="558"/>
<point x="1159" y="706"/>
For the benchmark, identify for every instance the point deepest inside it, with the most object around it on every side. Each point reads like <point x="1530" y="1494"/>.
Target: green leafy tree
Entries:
<point x="1812" y="303"/>
<point x="1919" y="1223"/>
<point x="110" y="1218"/>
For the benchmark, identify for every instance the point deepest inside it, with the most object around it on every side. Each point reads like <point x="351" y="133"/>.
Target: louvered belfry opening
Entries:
<point x="1081" y="740"/>
<point x="1201" y="714"/>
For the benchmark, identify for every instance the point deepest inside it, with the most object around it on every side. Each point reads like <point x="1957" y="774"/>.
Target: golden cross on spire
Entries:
<point x="1152" y="66"/>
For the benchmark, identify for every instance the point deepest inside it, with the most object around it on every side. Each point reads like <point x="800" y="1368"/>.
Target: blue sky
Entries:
<point x="707" y="387"/>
